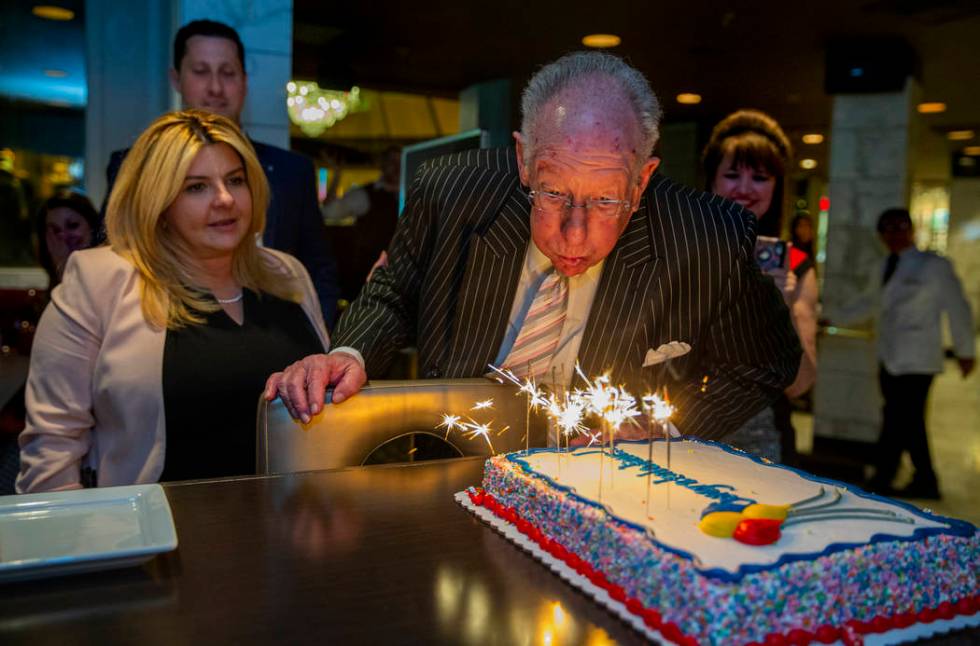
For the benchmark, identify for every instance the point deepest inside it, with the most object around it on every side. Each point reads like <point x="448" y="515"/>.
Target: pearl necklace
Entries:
<point x="229" y="301"/>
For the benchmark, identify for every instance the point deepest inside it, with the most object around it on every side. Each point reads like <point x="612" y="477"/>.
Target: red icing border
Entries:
<point x="850" y="634"/>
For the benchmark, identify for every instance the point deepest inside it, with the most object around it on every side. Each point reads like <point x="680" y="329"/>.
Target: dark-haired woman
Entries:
<point x="65" y="223"/>
<point x="745" y="161"/>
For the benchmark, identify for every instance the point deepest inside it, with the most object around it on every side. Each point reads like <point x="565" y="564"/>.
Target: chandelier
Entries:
<point x="314" y="109"/>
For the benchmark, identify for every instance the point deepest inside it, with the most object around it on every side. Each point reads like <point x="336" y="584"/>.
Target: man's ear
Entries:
<point x="521" y="167"/>
<point x="646" y="172"/>
<point x="174" y="79"/>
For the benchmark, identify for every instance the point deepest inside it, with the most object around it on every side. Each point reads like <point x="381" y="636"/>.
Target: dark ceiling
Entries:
<point x="764" y="53"/>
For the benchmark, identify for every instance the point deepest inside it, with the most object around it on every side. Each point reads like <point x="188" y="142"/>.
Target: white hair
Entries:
<point x="572" y="69"/>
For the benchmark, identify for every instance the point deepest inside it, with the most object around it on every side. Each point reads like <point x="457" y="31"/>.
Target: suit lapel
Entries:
<point x="486" y="294"/>
<point x="615" y="336"/>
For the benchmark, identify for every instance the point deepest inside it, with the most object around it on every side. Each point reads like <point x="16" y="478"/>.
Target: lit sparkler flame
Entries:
<point x="524" y="387"/>
<point x="567" y="415"/>
<point x="660" y="409"/>
<point x="485" y="404"/>
<point x="613" y="404"/>
<point x="474" y="429"/>
<point x="450" y="422"/>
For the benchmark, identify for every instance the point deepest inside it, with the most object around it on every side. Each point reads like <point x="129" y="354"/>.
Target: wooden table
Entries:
<point x="379" y="555"/>
<point x="362" y="555"/>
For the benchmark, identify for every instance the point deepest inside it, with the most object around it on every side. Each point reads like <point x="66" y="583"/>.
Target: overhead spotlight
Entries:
<point x="51" y="12"/>
<point x="813" y="138"/>
<point x="808" y="164"/>
<point x="601" y="41"/>
<point x="973" y="151"/>
<point x="931" y="107"/>
<point x="960" y="135"/>
<point x="689" y="98"/>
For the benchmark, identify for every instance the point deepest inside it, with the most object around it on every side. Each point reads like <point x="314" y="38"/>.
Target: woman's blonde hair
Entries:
<point x="150" y="179"/>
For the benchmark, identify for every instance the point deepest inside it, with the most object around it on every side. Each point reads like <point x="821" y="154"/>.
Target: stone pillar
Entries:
<point x="126" y="57"/>
<point x="266" y="30"/>
<point x="870" y="142"/>
<point x="487" y="106"/>
<point x="964" y="238"/>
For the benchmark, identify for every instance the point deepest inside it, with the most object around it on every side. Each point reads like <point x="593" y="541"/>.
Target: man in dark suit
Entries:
<point x="209" y="73"/>
<point x="643" y="262"/>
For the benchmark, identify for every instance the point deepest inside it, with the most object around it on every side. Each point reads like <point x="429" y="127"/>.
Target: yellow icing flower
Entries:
<point x="773" y="512"/>
<point x="720" y="524"/>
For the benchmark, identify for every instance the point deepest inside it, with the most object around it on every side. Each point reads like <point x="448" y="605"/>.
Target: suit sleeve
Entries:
<point x="313" y="250"/>
<point x="383" y="318"/>
<point x="958" y="310"/>
<point x="59" y="387"/>
<point x="749" y="354"/>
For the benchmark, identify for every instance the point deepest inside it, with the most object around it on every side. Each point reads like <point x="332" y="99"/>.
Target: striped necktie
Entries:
<point x="540" y="332"/>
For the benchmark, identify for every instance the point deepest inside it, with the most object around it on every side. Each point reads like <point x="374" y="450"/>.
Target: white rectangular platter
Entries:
<point x="69" y="532"/>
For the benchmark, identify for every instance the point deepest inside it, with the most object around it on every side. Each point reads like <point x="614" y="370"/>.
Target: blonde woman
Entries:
<point x="148" y="362"/>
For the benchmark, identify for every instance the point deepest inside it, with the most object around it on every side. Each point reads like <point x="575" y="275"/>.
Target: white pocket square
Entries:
<point x="666" y="352"/>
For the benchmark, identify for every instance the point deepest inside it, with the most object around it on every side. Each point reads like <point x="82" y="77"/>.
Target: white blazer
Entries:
<point x="95" y="387"/>
<point x="908" y="313"/>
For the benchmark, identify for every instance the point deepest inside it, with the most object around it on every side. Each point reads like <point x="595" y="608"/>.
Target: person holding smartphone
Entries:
<point x="745" y="161"/>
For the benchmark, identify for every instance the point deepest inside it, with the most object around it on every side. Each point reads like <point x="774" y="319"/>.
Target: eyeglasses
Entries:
<point x="554" y="203"/>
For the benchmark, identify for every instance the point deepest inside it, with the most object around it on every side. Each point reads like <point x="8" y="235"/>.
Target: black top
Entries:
<point x="212" y="377"/>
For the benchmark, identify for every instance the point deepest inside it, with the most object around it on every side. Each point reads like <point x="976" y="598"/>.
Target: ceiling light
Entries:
<point x="51" y="12"/>
<point x="933" y="107"/>
<point x="689" y="98"/>
<point x="601" y="41"/>
<point x="960" y="135"/>
<point x="813" y="138"/>
<point x="56" y="74"/>
<point x="808" y="164"/>
<point x="973" y="151"/>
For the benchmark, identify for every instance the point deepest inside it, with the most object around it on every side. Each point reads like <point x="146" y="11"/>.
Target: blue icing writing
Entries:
<point x="713" y="491"/>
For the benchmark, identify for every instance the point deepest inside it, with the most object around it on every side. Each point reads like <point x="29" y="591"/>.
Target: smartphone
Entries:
<point x="771" y="253"/>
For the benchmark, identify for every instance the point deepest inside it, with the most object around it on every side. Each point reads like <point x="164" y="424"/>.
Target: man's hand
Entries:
<point x="302" y="385"/>
<point x="966" y="366"/>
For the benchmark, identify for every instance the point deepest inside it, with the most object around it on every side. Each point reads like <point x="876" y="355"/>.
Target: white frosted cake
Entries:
<point x="729" y="549"/>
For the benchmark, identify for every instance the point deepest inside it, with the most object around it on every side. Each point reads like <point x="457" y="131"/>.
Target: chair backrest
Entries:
<point x="346" y="434"/>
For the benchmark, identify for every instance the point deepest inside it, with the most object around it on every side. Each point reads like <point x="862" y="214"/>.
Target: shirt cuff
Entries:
<point x="352" y="352"/>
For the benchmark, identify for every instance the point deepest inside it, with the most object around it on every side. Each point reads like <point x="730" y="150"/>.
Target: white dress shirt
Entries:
<point x="581" y="294"/>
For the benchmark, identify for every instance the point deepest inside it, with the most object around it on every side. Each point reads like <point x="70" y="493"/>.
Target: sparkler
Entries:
<point x="614" y="406"/>
<point x="658" y="411"/>
<point x="474" y="429"/>
<point x="450" y="422"/>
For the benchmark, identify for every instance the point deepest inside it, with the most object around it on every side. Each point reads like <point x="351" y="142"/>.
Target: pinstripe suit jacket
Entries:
<point x="683" y="270"/>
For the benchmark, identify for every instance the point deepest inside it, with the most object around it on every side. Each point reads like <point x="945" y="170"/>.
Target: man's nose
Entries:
<point x="575" y="226"/>
<point x="215" y="86"/>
